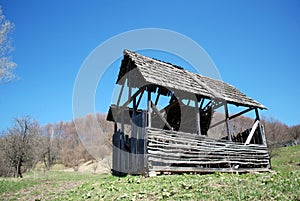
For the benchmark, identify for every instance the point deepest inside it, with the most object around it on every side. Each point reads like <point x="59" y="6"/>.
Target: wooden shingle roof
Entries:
<point x="153" y="71"/>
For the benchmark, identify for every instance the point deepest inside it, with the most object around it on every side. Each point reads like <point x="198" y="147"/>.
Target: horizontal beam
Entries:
<point x="241" y="113"/>
<point x="232" y="117"/>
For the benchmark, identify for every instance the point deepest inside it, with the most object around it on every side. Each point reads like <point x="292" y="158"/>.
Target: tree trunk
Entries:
<point x="19" y="165"/>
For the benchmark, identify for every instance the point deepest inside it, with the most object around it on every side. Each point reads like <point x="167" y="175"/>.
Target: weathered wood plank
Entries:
<point x="196" y="154"/>
<point x="177" y="157"/>
<point x="167" y="133"/>
<point x="170" y="148"/>
<point x="169" y="161"/>
<point x="207" y="170"/>
<point x="198" y="118"/>
<point x="188" y="143"/>
<point x="232" y="117"/>
<point x="167" y="148"/>
<point x="160" y="116"/>
<point x="254" y="127"/>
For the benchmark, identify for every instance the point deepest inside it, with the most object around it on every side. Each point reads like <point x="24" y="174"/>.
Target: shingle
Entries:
<point x="175" y="77"/>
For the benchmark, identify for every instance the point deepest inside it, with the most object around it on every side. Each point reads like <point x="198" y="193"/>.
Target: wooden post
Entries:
<point x="139" y="100"/>
<point x="134" y="108"/>
<point x="198" y="118"/>
<point x="157" y="98"/>
<point x="122" y="120"/>
<point x="227" y="121"/>
<point x="117" y="153"/>
<point x="133" y="141"/>
<point x="120" y="95"/>
<point x="201" y="104"/>
<point x="115" y="140"/>
<point x="115" y="127"/>
<point x="123" y="156"/>
<point x="149" y="109"/>
<point x="129" y="86"/>
<point x="143" y="130"/>
<point x="261" y="130"/>
<point x="129" y="89"/>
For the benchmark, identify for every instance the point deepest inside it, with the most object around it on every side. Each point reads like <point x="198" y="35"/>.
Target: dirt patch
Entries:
<point x="47" y="190"/>
<point x="50" y="189"/>
<point x="98" y="167"/>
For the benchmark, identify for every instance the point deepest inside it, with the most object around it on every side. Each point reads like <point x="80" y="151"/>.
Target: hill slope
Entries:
<point x="283" y="184"/>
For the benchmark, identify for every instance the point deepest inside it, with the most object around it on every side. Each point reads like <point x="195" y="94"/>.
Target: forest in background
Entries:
<point x="26" y="143"/>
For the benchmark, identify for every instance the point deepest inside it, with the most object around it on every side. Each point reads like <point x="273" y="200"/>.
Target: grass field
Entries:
<point x="283" y="184"/>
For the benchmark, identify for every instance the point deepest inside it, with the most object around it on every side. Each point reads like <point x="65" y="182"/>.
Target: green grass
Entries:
<point x="10" y="185"/>
<point x="283" y="184"/>
<point x="39" y="181"/>
<point x="286" y="158"/>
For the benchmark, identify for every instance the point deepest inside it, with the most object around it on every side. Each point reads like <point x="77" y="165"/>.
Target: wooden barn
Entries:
<point x="163" y="115"/>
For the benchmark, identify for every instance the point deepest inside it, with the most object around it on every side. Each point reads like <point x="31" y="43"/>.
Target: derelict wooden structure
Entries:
<point x="148" y="140"/>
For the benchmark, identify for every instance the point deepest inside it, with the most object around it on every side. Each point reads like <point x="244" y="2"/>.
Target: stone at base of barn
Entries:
<point x="152" y="174"/>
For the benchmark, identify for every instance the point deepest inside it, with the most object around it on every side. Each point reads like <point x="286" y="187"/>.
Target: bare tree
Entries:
<point x="295" y="134"/>
<point x="7" y="66"/>
<point x="276" y="132"/>
<point x="49" y="145"/>
<point x="20" y="145"/>
<point x="72" y="151"/>
<point x="4" y="167"/>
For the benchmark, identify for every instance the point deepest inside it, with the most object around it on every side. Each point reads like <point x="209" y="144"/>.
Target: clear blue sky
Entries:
<point x="254" y="44"/>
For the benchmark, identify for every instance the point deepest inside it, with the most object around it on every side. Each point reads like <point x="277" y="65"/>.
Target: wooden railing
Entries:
<point x="179" y="151"/>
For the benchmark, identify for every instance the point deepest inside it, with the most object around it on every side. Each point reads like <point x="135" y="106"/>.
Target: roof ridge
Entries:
<point x="167" y="74"/>
<point x="128" y="52"/>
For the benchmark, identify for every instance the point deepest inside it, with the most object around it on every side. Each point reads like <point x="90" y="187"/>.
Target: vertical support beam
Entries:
<point x="140" y="98"/>
<point x="149" y="109"/>
<point x="201" y="104"/>
<point x="120" y="94"/>
<point x="129" y="92"/>
<point x="122" y="120"/>
<point x="145" y="136"/>
<point x="115" y="154"/>
<point x="198" y="118"/>
<point x="129" y="86"/>
<point x="257" y="114"/>
<point x="261" y="130"/>
<point x="134" y="139"/>
<point x="157" y="98"/>
<point x="115" y="127"/>
<point x="134" y="108"/>
<point x="123" y="158"/>
<point x="227" y="121"/>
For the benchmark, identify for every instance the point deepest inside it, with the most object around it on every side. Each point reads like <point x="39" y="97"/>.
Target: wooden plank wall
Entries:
<point x="116" y="162"/>
<point x="138" y="145"/>
<point x="129" y="150"/>
<point x="183" y="152"/>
